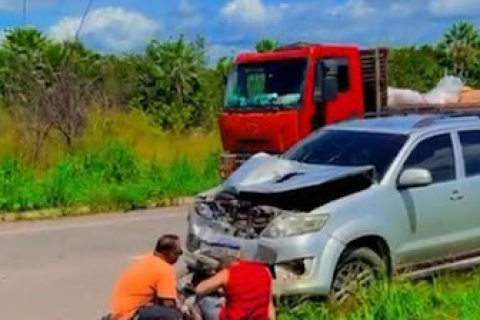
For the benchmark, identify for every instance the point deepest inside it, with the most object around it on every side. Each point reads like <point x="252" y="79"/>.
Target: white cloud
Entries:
<point x="116" y="27"/>
<point x="189" y="14"/>
<point x="253" y="11"/>
<point x="454" y="7"/>
<point x="353" y="8"/>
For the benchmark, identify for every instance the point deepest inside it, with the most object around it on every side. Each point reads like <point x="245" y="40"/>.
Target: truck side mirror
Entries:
<point x="318" y="90"/>
<point x="326" y="82"/>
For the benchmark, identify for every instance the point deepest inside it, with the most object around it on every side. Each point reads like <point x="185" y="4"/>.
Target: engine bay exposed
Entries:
<point x="242" y="218"/>
<point x="246" y="214"/>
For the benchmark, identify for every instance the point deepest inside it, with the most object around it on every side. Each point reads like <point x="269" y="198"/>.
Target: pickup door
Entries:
<point x="437" y="213"/>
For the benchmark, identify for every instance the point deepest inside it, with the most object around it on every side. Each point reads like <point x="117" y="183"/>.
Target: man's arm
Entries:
<point x="213" y="283"/>
<point x="271" y="311"/>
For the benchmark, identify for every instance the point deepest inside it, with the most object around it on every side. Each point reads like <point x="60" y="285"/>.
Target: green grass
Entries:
<point x="446" y="297"/>
<point x="113" y="176"/>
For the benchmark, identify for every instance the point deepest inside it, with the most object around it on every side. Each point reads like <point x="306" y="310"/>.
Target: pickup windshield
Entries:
<point x="266" y="84"/>
<point x="349" y="148"/>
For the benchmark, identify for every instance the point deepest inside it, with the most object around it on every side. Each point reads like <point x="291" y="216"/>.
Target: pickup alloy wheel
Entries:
<point x="358" y="268"/>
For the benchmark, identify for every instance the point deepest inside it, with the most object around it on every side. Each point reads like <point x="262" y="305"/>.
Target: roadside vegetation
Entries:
<point x="448" y="297"/>
<point x="125" y="164"/>
<point x="81" y="128"/>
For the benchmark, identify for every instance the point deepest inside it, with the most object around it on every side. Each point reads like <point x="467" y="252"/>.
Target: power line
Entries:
<point x="24" y="12"/>
<point x="82" y="21"/>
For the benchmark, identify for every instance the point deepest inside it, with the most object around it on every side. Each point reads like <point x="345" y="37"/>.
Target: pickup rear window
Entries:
<point x="349" y="148"/>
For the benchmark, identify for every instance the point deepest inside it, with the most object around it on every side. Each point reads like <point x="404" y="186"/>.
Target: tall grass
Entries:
<point x="111" y="177"/>
<point x="121" y="160"/>
<point x="446" y="298"/>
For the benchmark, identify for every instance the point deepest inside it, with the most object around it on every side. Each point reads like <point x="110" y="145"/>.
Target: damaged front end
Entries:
<point x="267" y="205"/>
<point x="266" y="187"/>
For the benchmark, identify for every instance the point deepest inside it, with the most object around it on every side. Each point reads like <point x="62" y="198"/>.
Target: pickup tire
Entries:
<point x="357" y="268"/>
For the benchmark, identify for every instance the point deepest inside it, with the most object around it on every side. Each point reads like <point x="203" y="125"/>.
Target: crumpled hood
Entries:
<point x="268" y="174"/>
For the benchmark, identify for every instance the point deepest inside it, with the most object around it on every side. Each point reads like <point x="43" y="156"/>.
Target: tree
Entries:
<point x="267" y="44"/>
<point x="63" y="105"/>
<point x="119" y="78"/>
<point x="24" y="73"/>
<point x="47" y="85"/>
<point x="460" y="49"/>
<point x="170" y="81"/>
<point x="22" y="61"/>
<point x="414" y="68"/>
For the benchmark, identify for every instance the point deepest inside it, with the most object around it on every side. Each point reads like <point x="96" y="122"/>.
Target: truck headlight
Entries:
<point x="291" y="224"/>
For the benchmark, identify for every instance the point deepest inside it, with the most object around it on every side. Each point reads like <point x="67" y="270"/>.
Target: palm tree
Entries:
<point x="170" y="77"/>
<point x="267" y="44"/>
<point x="176" y="64"/>
<point x="460" y="48"/>
<point x="24" y="40"/>
<point x="22" y="61"/>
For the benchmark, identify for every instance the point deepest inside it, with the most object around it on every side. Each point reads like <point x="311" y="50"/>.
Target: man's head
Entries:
<point x="169" y="248"/>
<point x="228" y="260"/>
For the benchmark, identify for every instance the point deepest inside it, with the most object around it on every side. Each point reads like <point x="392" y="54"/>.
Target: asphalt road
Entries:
<point x="64" y="270"/>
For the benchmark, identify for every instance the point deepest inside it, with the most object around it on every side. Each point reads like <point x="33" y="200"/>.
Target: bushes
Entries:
<point x="113" y="177"/>
<point x="416" y="68"/>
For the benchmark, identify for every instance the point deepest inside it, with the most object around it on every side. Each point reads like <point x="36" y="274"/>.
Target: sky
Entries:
<point x="233" y="25"/>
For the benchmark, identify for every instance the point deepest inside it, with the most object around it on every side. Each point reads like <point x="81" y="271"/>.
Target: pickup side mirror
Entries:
<point x="326" y="81"/>
<point x="415" y="177"/>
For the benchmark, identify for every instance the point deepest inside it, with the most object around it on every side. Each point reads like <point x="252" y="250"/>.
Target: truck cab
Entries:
<point x="273" y="99"/>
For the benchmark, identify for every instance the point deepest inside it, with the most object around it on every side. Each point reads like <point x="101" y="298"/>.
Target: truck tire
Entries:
<point x="357" y="268"/>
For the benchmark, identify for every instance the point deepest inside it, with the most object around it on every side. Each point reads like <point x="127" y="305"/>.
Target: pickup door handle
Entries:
<point x="456" y="196"/>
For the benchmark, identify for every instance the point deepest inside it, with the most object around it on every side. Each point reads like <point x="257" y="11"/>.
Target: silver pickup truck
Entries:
<point x="351" y="202"/>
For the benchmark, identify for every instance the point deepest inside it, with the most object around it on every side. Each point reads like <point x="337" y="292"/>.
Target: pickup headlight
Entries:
<point x="291" y="224"/>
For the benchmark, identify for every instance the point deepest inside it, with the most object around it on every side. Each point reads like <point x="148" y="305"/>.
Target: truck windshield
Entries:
<point x="266" y="84"/>
<point x="349" y="148"/>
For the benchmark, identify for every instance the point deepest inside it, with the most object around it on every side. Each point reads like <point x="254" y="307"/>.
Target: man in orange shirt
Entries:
<point x="148" y="288"/>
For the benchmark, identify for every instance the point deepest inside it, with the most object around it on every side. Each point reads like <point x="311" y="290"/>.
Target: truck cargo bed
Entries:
<point x="375" y="82"/>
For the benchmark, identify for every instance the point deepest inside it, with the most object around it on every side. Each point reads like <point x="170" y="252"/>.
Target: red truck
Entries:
<point x="273" y="99"/>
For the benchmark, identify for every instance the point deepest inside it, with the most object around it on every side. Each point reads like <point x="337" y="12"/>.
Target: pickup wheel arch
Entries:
<point x="376" y="243"/>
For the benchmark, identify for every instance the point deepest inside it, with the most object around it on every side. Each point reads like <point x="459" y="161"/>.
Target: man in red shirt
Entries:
<point x="148" y="288"/>
<point x="247" y="286"/>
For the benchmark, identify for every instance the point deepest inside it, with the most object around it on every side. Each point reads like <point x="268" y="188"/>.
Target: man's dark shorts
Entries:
<point x="157" y="312"/>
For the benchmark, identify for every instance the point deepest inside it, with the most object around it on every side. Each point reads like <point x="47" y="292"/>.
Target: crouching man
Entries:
<point x="148" y="287"/>
<point x="247" y="287"/>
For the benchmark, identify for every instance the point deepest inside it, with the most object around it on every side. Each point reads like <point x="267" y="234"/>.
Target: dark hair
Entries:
<point x="166" y="243"/>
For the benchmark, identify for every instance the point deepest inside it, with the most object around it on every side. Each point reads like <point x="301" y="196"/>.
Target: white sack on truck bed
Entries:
<point x="398" y="97"/>
<point x="448" y="90"/>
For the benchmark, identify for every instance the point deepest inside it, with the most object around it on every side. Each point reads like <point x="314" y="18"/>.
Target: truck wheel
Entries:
<point x="357" y="268"/>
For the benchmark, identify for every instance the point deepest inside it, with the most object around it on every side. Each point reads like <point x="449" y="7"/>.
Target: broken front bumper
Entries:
<point x="305" y="264"/>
